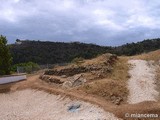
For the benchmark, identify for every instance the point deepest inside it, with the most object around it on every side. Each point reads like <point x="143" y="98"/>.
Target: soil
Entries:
<point x="119" y="111"/>
<point x="142" y="82"/>
<point x="146" y="103"/>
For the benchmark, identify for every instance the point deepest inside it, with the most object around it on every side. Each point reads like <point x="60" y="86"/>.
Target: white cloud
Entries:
<point x="70" y="19"/>
<point x="16" y="1"/>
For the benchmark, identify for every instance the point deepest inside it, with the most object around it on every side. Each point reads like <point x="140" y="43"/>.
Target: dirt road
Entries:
<point x="142" y="82"/>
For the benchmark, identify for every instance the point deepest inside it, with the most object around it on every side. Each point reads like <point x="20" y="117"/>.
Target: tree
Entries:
<point x="5" y="57"/>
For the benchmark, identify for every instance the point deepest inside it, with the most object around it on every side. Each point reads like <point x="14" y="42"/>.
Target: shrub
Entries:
<point x="25" y="67"/>
<point x="78" y="60"/>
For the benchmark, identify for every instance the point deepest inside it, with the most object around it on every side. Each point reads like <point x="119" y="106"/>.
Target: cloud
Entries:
<point x="103" y="22"/>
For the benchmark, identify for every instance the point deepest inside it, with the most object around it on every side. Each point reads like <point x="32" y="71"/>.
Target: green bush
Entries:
<point x="5" y="57"/>
<point x="78" y="60"/>
<point x="27" y="67"/>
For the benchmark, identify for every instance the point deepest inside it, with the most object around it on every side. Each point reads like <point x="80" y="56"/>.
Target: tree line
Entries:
<point x="46" y="52"/>
<point x="60" y="52"/>
<point x="54" y="52"/>
<point x="138" y="48"/>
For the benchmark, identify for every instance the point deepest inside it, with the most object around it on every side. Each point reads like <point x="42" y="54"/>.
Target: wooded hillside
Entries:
<point x="60" y="52"/>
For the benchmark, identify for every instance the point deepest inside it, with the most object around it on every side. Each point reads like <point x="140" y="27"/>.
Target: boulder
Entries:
<point x="74" y="81"/>
<point x="76" y="77"/>
<point x="116" y="100"/>
<point x="55" y="80"/>
<point x="79" y="82"/>
<point x="63" y="76"/>
<point x="51" y="79"/>
<point x="67" y="84"/>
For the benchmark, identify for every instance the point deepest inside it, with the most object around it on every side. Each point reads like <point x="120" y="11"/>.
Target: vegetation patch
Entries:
<point x="5" y="57"/>
<point x="25" y="67"/>
<point x="60" y="52"/>
<point x="114" y="91"/>
<point x="120" y="70"/>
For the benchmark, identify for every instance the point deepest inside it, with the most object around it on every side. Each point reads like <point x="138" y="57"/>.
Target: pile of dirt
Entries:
<point x="64" y="82"/>
<point x="97" y="67"/>
<point x="92" y="77"/>
<point x="74" y="81"/>
<point x="76" y="75"/>
<point x="104" y="66"/>
<point x="51" y="79"/>
<point x="110" y="90"/>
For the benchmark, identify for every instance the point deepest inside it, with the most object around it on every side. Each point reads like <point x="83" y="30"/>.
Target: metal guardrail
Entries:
<point x="12" y="75"/>
<point x="12" y="78"/>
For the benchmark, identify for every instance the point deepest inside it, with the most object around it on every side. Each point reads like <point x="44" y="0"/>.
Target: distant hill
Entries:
<point x="60" y="52"/>
<point x="139" y="47"/>
<point x="54" y="52"/>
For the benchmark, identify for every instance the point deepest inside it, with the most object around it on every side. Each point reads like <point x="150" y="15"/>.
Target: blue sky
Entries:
<point x="103" y="22"/>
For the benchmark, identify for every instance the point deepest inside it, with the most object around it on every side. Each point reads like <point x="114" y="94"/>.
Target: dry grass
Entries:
<point x="107" y="89"/>
<point x="155" y="56"/>
<point x="5" y="88"/>
<point x="120" y="70"/>
<point x="95" y="61"/>
<point x="98" y="60"/>
<point x="113" y="85"/>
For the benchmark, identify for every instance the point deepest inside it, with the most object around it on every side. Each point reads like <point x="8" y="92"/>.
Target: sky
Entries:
<point x="101" y="22"/>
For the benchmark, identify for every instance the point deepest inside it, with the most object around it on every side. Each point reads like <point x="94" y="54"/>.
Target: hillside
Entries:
<point x="59" y="52"/>
<point x="118" y="84"/>
<point x="139" y="47"/>
<point x="54" y="52"/>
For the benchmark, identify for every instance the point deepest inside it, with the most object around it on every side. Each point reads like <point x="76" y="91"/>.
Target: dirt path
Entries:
<point x="142" y="82"/>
